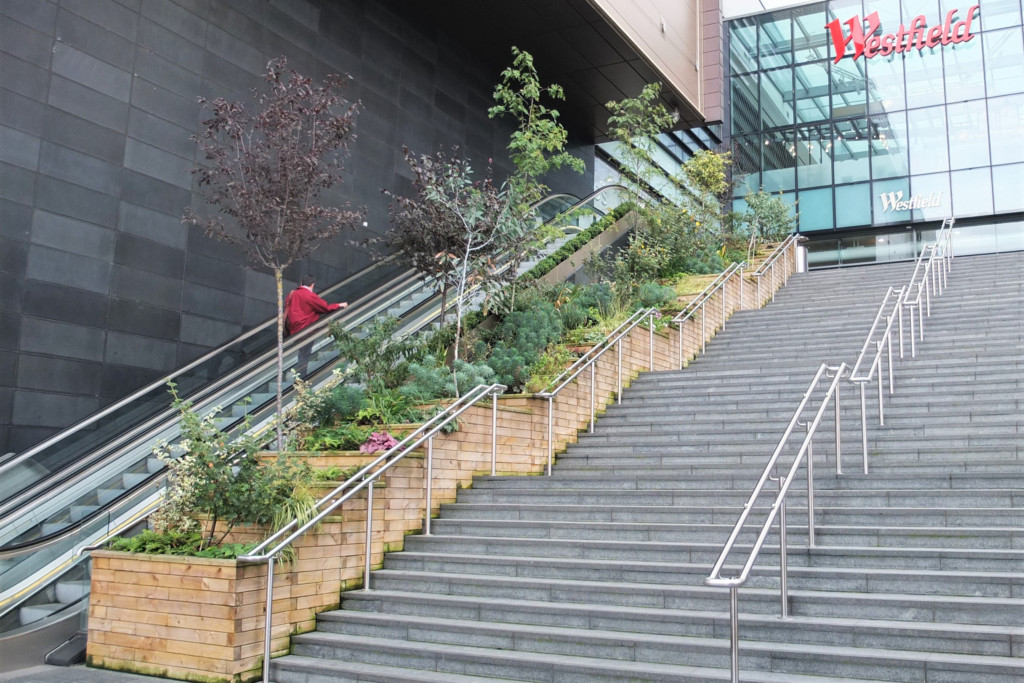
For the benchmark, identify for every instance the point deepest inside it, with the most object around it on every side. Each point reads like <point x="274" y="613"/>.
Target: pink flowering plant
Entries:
<point x="378" y="441"/>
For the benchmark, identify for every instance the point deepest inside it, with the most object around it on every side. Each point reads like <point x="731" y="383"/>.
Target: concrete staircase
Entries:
<point x="596" y="573"/>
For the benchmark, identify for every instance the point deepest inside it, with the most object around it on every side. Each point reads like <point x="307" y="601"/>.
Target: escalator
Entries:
<point x="99" y="477"/>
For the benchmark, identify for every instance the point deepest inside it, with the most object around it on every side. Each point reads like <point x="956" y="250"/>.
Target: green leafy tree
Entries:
<point x="537" y="147"/>
<point x="634" y="123"/>
<point x="267" y="170"/>
<point x="769" y="216"/>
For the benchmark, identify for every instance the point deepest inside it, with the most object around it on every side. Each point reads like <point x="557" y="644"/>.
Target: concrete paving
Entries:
<point x="72" y="674"/>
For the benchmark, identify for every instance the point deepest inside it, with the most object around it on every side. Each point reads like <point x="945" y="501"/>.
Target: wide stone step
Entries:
<point x="916" y="559"/>
<point x="797" y="516"/>
<point x="765" y="574"/>
<point x="810" y="603"/>
<point x="438" y="619"/>
<point x="497" y="663"/>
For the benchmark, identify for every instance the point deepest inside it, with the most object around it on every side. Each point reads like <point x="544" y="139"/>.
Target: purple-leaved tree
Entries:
<point x="265" y="172"/>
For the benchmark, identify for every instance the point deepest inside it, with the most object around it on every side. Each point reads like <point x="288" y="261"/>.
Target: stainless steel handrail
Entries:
<point x="162" y="382"/>
<point x="589" y="360"/>
<point x="698" y="303"/>
<point x="891" y="309"/>
<point x="768" y="265"/>
<point x="364" y="479"/>
<point x="778" y="506"/>
<point x="930" y="276"/>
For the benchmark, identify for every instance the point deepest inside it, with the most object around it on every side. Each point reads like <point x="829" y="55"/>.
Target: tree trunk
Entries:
<point x="279" y="277"/>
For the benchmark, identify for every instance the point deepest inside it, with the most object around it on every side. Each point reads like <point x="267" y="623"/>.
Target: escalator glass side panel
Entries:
<point x="39" y="463"/>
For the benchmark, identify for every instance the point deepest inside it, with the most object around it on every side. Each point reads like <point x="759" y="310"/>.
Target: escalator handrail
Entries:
<point x="254" y="366"/>
<point x="82" y="424"/>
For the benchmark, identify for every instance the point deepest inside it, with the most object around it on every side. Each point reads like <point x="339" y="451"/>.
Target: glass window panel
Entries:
<point x="815" y="210"/>
<point x="886" y="196"/>
<point x="814" y="155"/>
<point x="998" y="14"/>
<point x="810" y="41"/>
<point x="1004" y="61"/>
<point x="924" y="77"/>
<point x="746" y="164"/>
<point x="927" y="134"/>
<point x="743" y="103"/>
<point x="977" y="239"/>
<point x="822" y="253"/>
<point x="812" y="100"/>
<point x="860" y="249"/>
<point x="776" y="98"/>
<point x="897" y="246"/>
<point x="888" y="16"/>
<point x="932" y="192"/>
<point x="1010" y="236"/>
<point x="844" y="9"/>
<point x="972" y="192"/>
<point x="963" y="65"/>
<point x="1008" y="187"/>
<point x="886" y="91"/>
<point x="914" y="8"/>
<point x="1005" y="121"/>
<point x="853" y="205"/>
<point x="889" y="156"/>
<point x="779" y="155"/>
<point x="968" y="134"/>
<point x="742" y="46"/>
<point x="775" y="40"/>
<point x="849" y="88"/>
<point x="850" y="150"/>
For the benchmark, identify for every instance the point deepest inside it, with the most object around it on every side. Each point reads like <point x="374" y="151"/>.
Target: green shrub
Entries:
<point x="573" y="316"/>
<point x="432" y="380"/>
<point x="518" y="341"/>
<point x="387" y="407"/>
<point x="344" y="437"/>
<point x="597" y="297"/>
<point x="377" y="357"/>
<point x="651" y="294"/>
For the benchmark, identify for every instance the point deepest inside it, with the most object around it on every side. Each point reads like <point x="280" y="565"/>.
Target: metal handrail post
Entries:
<point x="551" y="422"/>
<point x="725" y="295"/>
<point x="650" y="325"/>
<point x="428" y="483"/>
<point x="734" y="634"/>
<point x="758" y="290"/>
<point x="864" y="424"/>
<point x="927" y="294"/>
<point x="913" y="332"/>
<point x="679" y="326"/>
<point x="740" y="307"/>
<point x="888" y="344"/>
<point x="881" y="409"/>
<point x="494" y="433"/>
<point x="269" y="623"/>
<point x="593" y="381"/>
<point x="773" y="280"/>
<point x="783" y="555"/>
<point x="899" y="310"/>
<point x="839" y="438"/>
<point x="920" y="317"/>
<point x="369" y="536"/>
<point x="703" y="333"/>
<point x="810" y="487"/>
<point x="618" y="369"/>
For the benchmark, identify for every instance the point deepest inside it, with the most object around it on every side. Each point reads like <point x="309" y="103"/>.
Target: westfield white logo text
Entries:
<point x="893" y="201"/>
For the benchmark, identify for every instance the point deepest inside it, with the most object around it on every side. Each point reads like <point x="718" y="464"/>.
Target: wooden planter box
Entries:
<point x="202" y="620"/>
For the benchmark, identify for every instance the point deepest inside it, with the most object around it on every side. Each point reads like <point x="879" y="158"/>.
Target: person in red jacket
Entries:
<point x="302" y="308"/>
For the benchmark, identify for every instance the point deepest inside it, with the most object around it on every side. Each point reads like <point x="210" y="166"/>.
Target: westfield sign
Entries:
<point x="917" y="37"/>
<point x="893" y="201"/>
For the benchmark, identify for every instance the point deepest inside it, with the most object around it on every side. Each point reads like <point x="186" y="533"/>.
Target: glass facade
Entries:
<point x="876" y="141"/>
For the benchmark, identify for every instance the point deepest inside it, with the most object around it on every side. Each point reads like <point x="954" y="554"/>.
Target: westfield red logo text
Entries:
<point x="917" y="37"/>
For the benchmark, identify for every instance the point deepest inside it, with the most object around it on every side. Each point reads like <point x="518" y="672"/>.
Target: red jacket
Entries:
<point x="302" y="308"/>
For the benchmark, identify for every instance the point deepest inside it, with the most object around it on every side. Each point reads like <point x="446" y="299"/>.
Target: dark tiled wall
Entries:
<point x="102" y="288"/>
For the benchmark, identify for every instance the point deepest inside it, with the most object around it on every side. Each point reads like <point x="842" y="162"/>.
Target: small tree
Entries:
<point x="537" y="147"/>
<point x="769" y="216"/>
<point x="635" y="123"/>
<point x="267" y="170"/>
